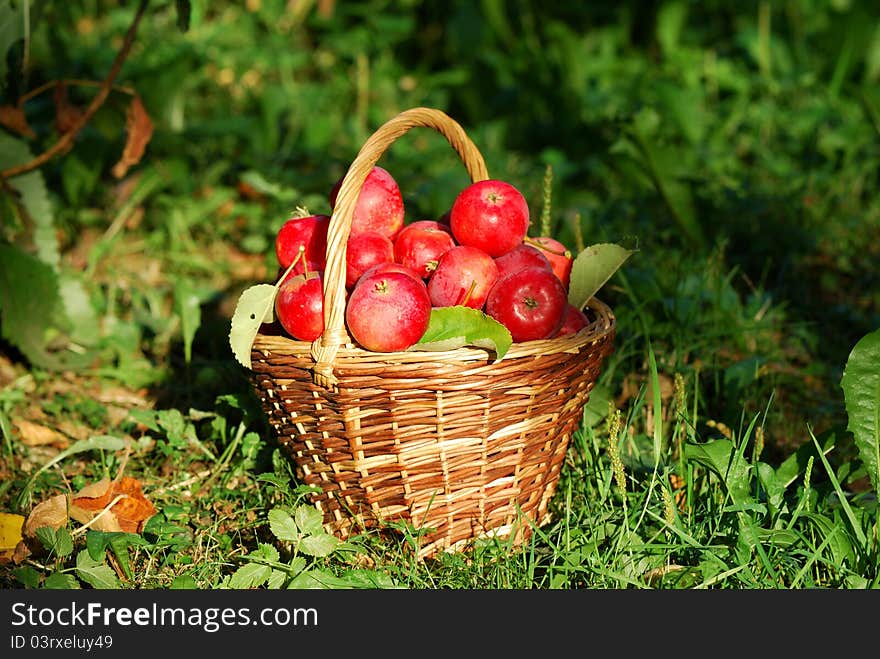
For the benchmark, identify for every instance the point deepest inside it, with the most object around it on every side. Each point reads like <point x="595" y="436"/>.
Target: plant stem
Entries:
<point x="65" y="142"/>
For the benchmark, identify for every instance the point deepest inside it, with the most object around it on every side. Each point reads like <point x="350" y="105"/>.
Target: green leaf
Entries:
<point x="184" y="582"/>
<point x="27" y="576"/>
<point x="309" y="519"/>
<point x="32" y="314"/>
<point x="320" y="544"/>
<point x="266" y="552"/>
<point x="314" y="579"/>
<point x="458" y="326"/>
<point x="85" y="327"/>
<point x="97" y="543"/>
<point x="61" y="581"/>
<point x="11" y="30"/>
<point x="58" y="541"/>
<point x="282" y="525"/>
<point x="722" y="457"/>
<point x="276" y="580"/>
<point x="95" y="573"/>
<point x="251" y="575"/>
<point x="189" y="308"/>
<point x="255" y="307"/>
<point x="592" y="268"/>
<point x="34" y="197"/>
<point x="861" y="391"/>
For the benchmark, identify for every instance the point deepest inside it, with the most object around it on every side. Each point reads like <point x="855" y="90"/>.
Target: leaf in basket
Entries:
<point x="458" y="326"/>
<point x="592" y="268"/>
<point x="256" y="306"/>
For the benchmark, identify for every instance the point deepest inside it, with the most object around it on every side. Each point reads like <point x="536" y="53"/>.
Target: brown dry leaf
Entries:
<point x="13" y="118"/>
<point x="128" y="514"/>
<point x="140" y="129"/>
<point x="66" y="114"/>
<point x="35" y="434"/>
<point x="52" y="512"/>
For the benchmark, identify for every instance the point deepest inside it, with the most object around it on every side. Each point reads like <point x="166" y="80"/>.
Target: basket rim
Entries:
<point x="604" y="324"/>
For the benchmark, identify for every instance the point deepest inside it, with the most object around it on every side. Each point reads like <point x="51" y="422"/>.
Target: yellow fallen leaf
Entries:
<point x="10" y="534"/>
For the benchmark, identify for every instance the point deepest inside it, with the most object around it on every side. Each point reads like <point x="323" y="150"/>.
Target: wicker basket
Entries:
<point x="456" y="443"/>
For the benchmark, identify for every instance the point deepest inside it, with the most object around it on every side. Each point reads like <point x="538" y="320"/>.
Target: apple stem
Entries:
<point x="470" y="292"/>
<point x="535" y="243"/>
<point x="299" y="254"/>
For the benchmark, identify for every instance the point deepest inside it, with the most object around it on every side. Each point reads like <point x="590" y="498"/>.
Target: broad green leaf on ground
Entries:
<point x="255" y="573"/>
<point x="57" y="541"/>
<point x="722" y="457"/>
<point x="39" y="223"/>
<point x="95" y="573"/>
<point x="61" y="581"/>
<point x="861" y="391"/>
<point x="32" y="314"/>
<point x="458" y="326"/>
<point x="592" y="268"/>
<point x="255" y="307"/>
<point x="97" y="543"/>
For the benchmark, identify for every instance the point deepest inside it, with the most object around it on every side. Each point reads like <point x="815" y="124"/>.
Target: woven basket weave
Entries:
<point x="456" y="443"/>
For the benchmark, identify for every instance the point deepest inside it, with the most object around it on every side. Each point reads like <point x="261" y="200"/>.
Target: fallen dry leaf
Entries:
<point x="139" y="128"/>
<point x="13" y="118"/>
<point x="128" y="514"/>
<point x="52" y="512"/>
<point x="35" y="434"/>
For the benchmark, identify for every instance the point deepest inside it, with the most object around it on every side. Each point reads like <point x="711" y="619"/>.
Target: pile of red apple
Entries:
<point x="478" y="255"/>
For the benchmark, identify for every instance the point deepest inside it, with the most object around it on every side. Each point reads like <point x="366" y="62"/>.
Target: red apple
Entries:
<point x="379" y="206"/>
<point x="530" y="303"/>
<point x="491" y="215"/>
<point x="299" y="306"/>
<point x="464" y="275"/>
<point x="391" y="267"/>
<point x="420" y="244"/>
<point x="521" y="256"/>
<point x="388" y="311"/>
<point x="363" y="251"/>
<point x="573" y="320"/>
<point x="559" y="255"/>
<point x="309" y="232"/>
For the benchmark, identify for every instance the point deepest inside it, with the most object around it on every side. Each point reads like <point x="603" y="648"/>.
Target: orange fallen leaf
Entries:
<point x="140" y="129"/>
<point x="13" y="118"/>
<point x="129" y="513"/>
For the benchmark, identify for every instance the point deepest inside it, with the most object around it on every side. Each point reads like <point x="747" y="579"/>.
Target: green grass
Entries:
<point x="735" y="147"/>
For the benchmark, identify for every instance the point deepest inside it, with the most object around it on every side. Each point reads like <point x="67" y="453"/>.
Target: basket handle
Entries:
<point x="325" y="347"/>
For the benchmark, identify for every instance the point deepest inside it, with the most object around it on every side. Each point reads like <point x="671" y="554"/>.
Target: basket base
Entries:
<point x="454" y="445"/>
